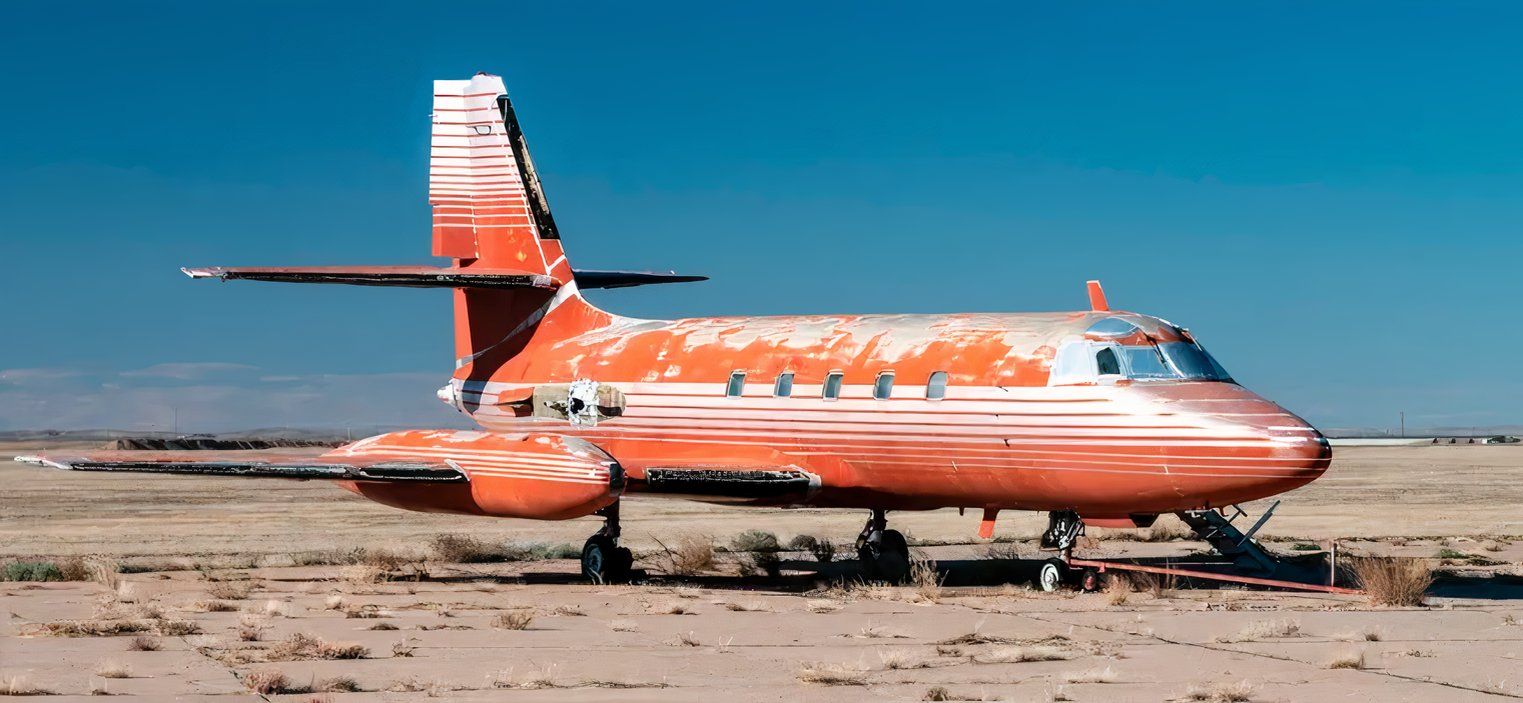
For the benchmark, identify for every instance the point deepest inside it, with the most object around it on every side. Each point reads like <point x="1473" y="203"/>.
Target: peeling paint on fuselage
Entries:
<point x="1001" y="438"/>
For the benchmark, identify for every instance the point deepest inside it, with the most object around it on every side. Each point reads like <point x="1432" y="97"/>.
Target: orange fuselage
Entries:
<point x="1002" y="436"/>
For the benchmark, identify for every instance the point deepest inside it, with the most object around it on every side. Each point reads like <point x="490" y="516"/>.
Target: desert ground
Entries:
<point x="235" y="589"/>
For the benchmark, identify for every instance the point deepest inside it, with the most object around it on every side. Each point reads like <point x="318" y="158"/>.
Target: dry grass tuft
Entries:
<point x="748" y="607"/>
<point x="669" y="608"/>
<point x="1118" y="588"/>
<point x="461" y="549"/>
<point x="1155" y="585"/>
<point x="338" y="684"/>
<point x="143" y="643"/>
<point x="1017" y="655"/>
<point x="21" y="686"/>
<point x="1353" y="659"/>
<point x="95" y="628"/>
<point x="1167" y="529"/>
<point x="513" y="619"/>
<point x="1397" y="581"/>
<point x="214" y="606"/>
<point x="268" y="682"/>
<point x="925" y="579"/>
<point x="1240" y="692"/>
<point x="362" y="574"/>
<point x="689" y="555"/>
<point x="1105" y="675"/>
<point x="822" y="606"/>
<point x="302" y="645"/>
<point x="177" y="628"/>
<point x="334" y="603"/>
<point x="112" y="669"/>
<point x="568" y="610"/>
<point x="686" y="639"/>
<point x="898" y="659"/>
<point x="230" y="590"/>
<point x="832" y="674"/>
<point x="534" y="680"/>
<point x="623" y="626"/>
<point x="402" y="648"/>
<point x="382" y="626"/>
<point x="1265" y="629"/>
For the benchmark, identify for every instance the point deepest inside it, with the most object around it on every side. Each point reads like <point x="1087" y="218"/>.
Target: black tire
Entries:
<point x="599" y="559"/>
<point x="893" y="559"/>
<point x="623" y="565"/>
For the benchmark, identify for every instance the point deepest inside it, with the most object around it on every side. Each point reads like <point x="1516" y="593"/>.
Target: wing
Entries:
<point x="258" y="465"/>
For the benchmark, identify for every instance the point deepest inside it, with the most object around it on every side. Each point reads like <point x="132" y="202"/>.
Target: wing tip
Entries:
<point x="38" y="460"/>
<point x="203" y="272"/>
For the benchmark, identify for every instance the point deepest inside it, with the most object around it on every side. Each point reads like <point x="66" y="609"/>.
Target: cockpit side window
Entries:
<point x="1106" y="363"/>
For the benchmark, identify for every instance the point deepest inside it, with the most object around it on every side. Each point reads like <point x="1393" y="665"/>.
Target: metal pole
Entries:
<point x="1403" y="424"/>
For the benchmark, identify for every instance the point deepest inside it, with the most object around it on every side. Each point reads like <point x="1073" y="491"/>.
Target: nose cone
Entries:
<point x="1260" y="449"/>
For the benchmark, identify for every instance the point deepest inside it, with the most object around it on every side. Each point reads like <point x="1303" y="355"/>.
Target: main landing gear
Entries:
<point x="1064" y="527"/>
<point x="603" y="560"/>
<point x="883" y="553"/>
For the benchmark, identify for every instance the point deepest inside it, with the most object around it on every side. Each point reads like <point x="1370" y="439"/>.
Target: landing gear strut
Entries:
<point x="1063" y="529"/>
<point x="603" y="560"/>
<point x="883" y="553"/>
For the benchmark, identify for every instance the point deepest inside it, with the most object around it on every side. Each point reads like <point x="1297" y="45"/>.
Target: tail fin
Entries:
<point x="490" y="212"/>
<point x="489" y="208"/>
<point x="510" y="276"/>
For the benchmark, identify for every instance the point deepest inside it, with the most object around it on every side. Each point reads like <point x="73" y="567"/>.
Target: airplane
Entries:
<point x="1098" y="417"/>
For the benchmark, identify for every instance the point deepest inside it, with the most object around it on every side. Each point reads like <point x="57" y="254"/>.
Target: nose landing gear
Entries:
<point x="883" y="553"/>
<point x="603" y="560"/>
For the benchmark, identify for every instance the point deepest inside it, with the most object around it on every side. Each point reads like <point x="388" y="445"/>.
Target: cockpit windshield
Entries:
<point x="1117" y="347"/>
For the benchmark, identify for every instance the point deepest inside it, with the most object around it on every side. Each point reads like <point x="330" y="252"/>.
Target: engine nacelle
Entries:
<point x="537" y="476"/>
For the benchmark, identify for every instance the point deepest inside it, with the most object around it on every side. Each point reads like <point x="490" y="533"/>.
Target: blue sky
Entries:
<point x="1330" y="196"/>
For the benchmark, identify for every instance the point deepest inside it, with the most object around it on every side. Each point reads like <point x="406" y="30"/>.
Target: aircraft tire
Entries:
<point x="893" y="558"/>
<point x="604" y="562"/>
<point x="1051" y="576"/>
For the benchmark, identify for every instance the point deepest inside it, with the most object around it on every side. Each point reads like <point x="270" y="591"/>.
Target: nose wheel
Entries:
<point x="603" y="560"/>
<point x="883" y="553"/>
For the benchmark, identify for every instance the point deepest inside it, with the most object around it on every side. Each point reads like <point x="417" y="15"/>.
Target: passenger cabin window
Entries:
<point x="1106" y="363"/>
<point x="936" y="388"/>
<point x="832" y="388"/>
<point x="737" y="385"/>
<point x="884" y="386"/>
<point x="784" y="386"/>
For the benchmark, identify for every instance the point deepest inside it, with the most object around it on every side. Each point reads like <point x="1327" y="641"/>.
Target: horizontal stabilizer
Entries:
<point x="405" y="276"/>
<point x="228" y="464"/>
<point x="586" y="279"/>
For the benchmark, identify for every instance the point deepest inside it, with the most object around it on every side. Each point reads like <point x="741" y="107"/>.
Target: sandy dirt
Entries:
<point x="746" y="638"/>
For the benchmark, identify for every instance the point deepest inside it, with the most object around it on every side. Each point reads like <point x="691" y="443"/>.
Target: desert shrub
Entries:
<point x="823" y="550"/>
<point x="760" y="563"/>
<point x="267" y="682"/>
<point x="689" y="555"/>
<point x="513" y="619"/>
<point x="1399" y="581"/>
<point x="143" y="643"/>
<point x="832" y="674"/>
<point x="306" y="646"/>
<point x="1167" y="529"/>
<point x="1239" y="692"/>
<point x="925" y="579"/>
<point x="754" y="541"/>
<point x="338" y="684"/>
<point x="461" y="549"/>
<point x="31" y="571"/>
<point x="1346" y="660"/>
